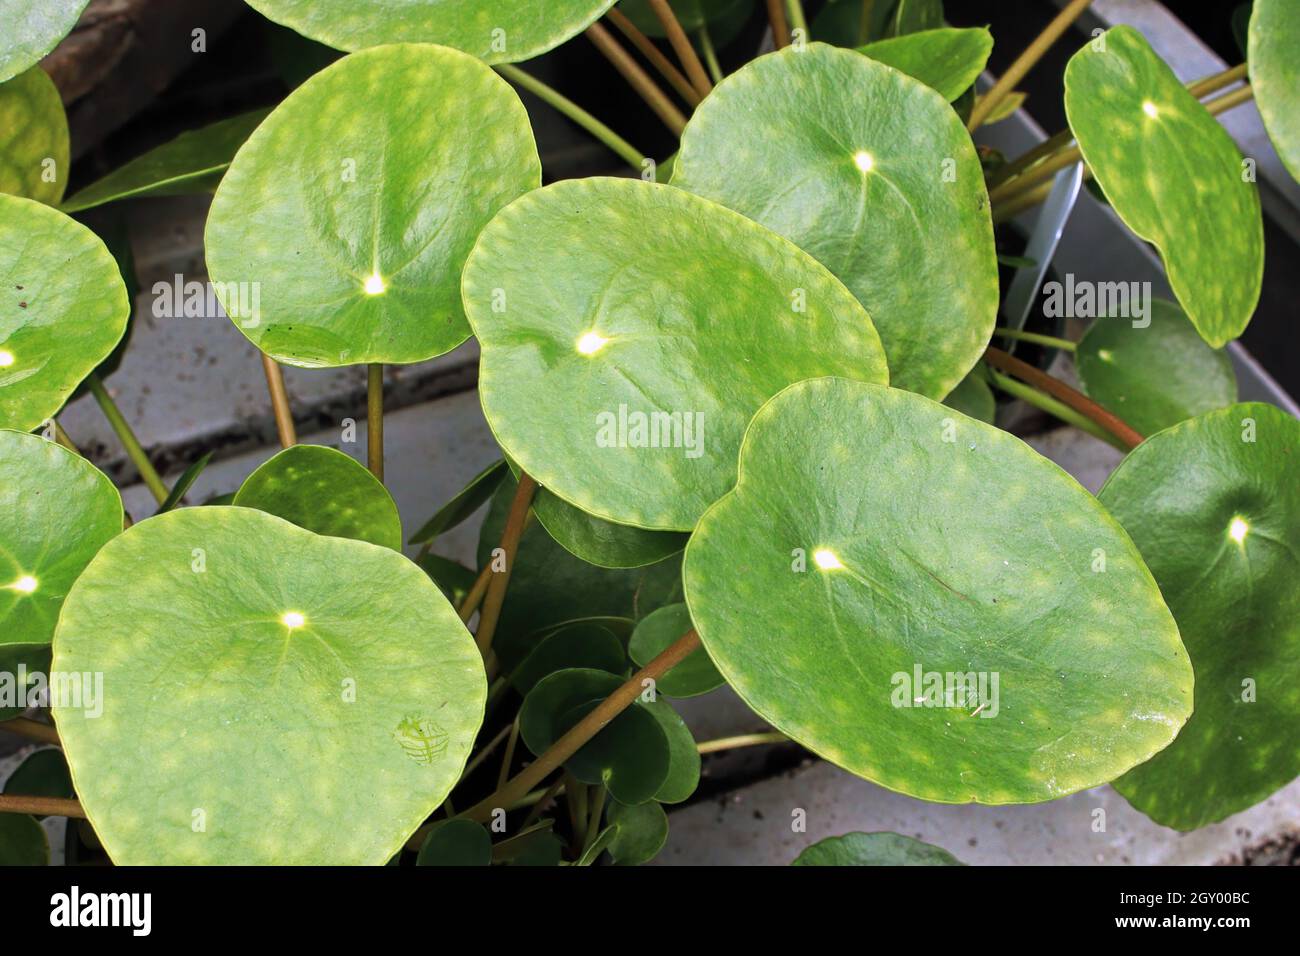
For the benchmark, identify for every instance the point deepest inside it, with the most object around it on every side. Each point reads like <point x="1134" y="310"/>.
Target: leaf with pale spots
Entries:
<point x="33" y="138"/>
<point x="985" y="565"/>
<point x="1214" y="506"/>
<point x="193" y="162"/>
<point x="64" y="309"/>
<point x="338" y="234"/>
<point x="877" y="179"/>
<point x="32" y="28"/>
<point x="497" y="31"/>
<point x="1273" y="41"/>
<point x="947" y="60"/>
<point x="874" y="849"/>
<point x="56" y="511"/>
<point x="682" y="313"/>
<point x="1154" y="375"/>
<point x="1173" y="175"/>
<point x="284" y="697"/>
<point x="325" y="491"/>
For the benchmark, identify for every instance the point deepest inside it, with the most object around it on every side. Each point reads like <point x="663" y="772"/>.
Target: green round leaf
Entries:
<point x="1156" y="374"/>
<point x="497" y="31"/>
<point x="630" y="755"/>
<point x="577" y="645"/>
<point x="338" y="234"/>
<point x="56" y="511"/>
<point x="64" y="309"/>
<point x="324" y="490"/>
<point x="22" y="841"/>
<point x="1173" y="174"/>
<point x="307" y="699"/>
<point x="877" y="178"/>
<point x="874" y="849"/>
<point x="973" y="397"/>
<point x="193" y="162"/>
<point x="32" y="28"/>
<point x="640" y="832"/>
<point x="938" y="583"/>
<point x="456" y="843"/>
<point x="654" y="634"/>
<point x="947" y="60"/>
<point x="1214" y="505"/>
<point x="683" y="754"/>
<point x="1274" y="60"/>
<point x="671" y="294"/>
<point x="33" y="138"/>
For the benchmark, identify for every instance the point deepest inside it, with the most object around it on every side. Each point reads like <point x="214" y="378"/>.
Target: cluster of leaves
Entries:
<point x="817" y="275"/>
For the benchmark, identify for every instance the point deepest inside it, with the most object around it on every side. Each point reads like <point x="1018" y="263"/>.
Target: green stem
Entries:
<point x="134" y="450"/>
<point x="743" y="740"/>
<point x="710" y="54"/>
<point x="574" y="112"/>
<point x="1050" y="341"/>
<point x="596" y="806"/>
<point x="1032" y="396"/>
<point x="797" y="19"/>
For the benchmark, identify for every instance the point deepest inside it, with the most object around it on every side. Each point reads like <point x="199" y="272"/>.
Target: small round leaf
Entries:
<point x="576" y="645"/>
<point x="56" y="511"/>
<point x="325" y="491"/>
<point x="877" y="178"/>
<point x="640" y="832"/>
<point x="456" y="843"/>
<point x="1173" y="174"/>
<point x="338" y="234"/>
<point x="976" y="626"/>
<point x="64" y="308"/>
<point x="286" y="697"/>
<point x="1156" y="374"/>
<point x="1214" y="505"/>
<point x="624" y="385"/>
<point x="33" y="138"/>
<point x="654" y="634"/>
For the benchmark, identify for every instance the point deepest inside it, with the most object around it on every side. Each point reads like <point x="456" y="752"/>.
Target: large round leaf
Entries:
<point x="348" y="214"/>
<point x="1154" y="375"/>
<point x="323" y="490"/>
<point x="32" y="28"/>
<point x="630" y="329"/>
<point x="874" y="849"/>
<point x="33" y="138"/>
<point x="877" y="178"/>
<point x="947" y="60"/>
<point x="1214" y="505"/>
<point x="1173" y="174"/>
<point x="498" y="31"/>
<point x="284" y="697"/>
<point x="192" y="162"/>
<point x="1274" y="59"/>
<point x="64" y="309"/>
<point x="56" y="511"/>
<point x="976" y="626"/>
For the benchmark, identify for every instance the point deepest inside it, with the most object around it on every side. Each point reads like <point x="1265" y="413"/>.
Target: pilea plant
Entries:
<point x="718" y="384"/>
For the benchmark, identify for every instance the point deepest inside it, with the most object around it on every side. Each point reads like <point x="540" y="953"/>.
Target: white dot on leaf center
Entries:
<point x="293" y="620"/>
<point x="826" y="560"/>
<point x="6" y="358"/>
<point x="1238" y="530"/>
<point x="591" y="343"/>
<point x="864" y="161"/>
<point x="375" y="285"/>
<point x="1150" y="109"/>
<point x="25" y="584"/>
